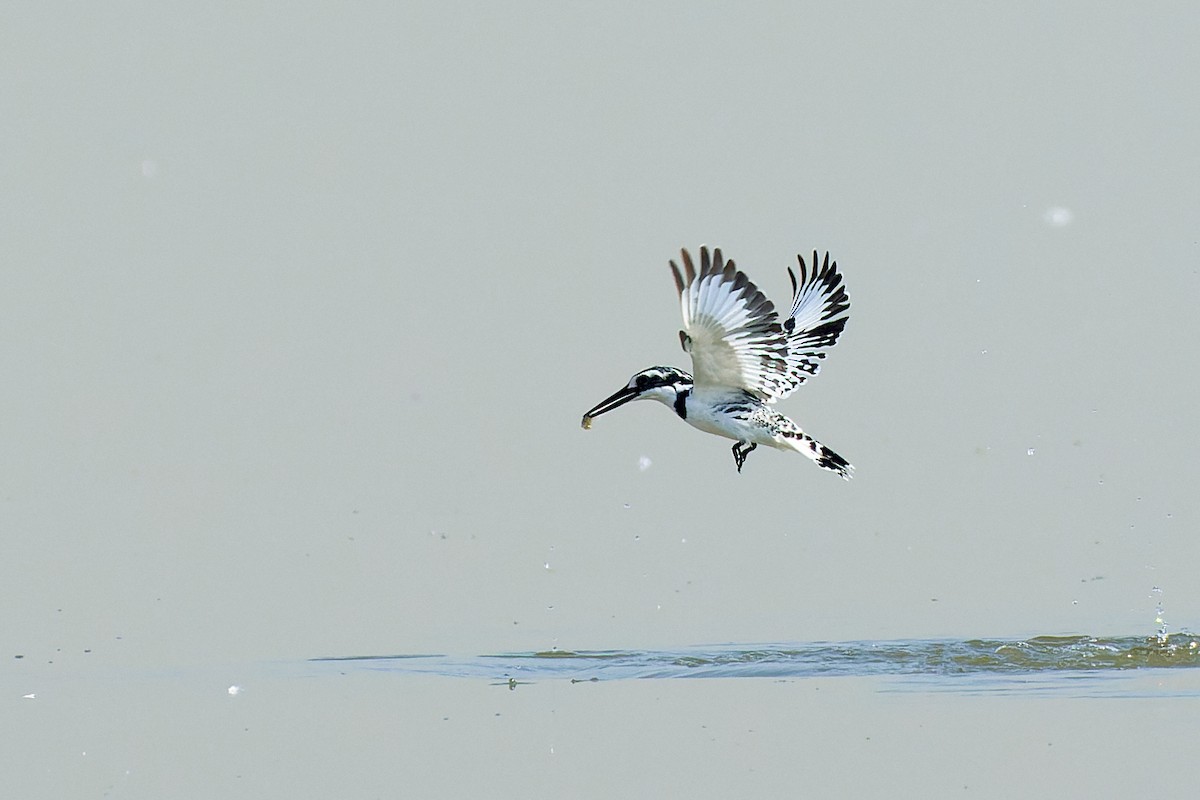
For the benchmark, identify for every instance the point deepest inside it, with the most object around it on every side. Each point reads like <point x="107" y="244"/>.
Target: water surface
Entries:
<point x="967" y="665"/>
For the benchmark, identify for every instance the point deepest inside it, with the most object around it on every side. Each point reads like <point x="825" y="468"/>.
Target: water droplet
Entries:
<point x="546" y="565"/>
<point x="637" y="538"/>
<point x="1029" y="452"/>
<point x="644" y="463"/>
<point x="628" y="506"/>
<point x="1058" y="217"/>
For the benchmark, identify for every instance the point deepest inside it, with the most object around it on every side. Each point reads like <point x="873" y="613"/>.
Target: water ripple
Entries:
<point x="981" y="657"/>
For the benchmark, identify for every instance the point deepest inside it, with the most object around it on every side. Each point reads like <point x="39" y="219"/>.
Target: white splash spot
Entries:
<point x="1058" y="216"/>
<point x="30" y="696"/>
<point x="234" y="690"/>
<point x="1030" y="451"/>
<point x="644" y="463"/>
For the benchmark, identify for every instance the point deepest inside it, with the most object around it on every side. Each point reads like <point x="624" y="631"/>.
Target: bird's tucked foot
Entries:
<point x="740" y="451"/>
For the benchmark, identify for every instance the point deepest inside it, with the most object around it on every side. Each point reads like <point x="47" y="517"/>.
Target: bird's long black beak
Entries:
<point x="617" y="399"/>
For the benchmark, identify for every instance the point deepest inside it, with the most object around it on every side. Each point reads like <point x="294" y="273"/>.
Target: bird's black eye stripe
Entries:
<point x="642" y="380"/>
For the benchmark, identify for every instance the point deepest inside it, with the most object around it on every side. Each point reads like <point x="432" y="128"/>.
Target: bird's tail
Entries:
<point x="826" y="459"/>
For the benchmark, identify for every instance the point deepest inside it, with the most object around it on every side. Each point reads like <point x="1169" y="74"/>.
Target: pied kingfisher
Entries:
<point x="745" y="358"/>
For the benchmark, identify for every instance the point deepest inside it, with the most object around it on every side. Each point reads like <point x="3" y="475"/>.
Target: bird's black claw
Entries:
<point x="740" y="451"/>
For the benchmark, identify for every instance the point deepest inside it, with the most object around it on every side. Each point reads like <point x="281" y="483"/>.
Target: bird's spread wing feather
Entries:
<point x="734" y="334"/>
<point x="820" y="309"/>
<point x="729" y="327"/>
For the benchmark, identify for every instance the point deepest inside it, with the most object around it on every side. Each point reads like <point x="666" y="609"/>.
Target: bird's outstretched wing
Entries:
<point x="735" y="336"/>
<point x="820" y="309"/>
<point x="730" y="328"/>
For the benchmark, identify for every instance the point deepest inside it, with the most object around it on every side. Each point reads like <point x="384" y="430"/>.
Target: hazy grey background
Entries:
<point x="302" y="305"/>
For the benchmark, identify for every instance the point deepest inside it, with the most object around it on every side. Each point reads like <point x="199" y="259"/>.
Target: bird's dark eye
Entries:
<point x="642" y="380"/>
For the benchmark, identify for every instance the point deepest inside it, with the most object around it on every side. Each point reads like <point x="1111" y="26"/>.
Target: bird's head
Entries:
<point x="663" y="384"/>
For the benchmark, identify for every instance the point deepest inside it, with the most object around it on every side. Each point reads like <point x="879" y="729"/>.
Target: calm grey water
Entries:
<point x="970" y="664"/>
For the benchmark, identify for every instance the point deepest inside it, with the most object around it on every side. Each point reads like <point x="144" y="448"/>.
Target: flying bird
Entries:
<point x="744" y="356"/>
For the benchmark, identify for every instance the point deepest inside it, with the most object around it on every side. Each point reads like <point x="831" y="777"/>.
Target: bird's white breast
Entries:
<point x="723" y="412"/>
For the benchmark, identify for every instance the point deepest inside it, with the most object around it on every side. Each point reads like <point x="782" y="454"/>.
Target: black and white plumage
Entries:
<point x="744" y="357"/>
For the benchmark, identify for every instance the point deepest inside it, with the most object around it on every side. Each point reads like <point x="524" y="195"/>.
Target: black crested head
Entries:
<point x="660" y="376"/>
<point x="665" y="384"/>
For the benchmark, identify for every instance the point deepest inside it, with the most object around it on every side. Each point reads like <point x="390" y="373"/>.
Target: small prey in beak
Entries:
<point x="615" y="400"/>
